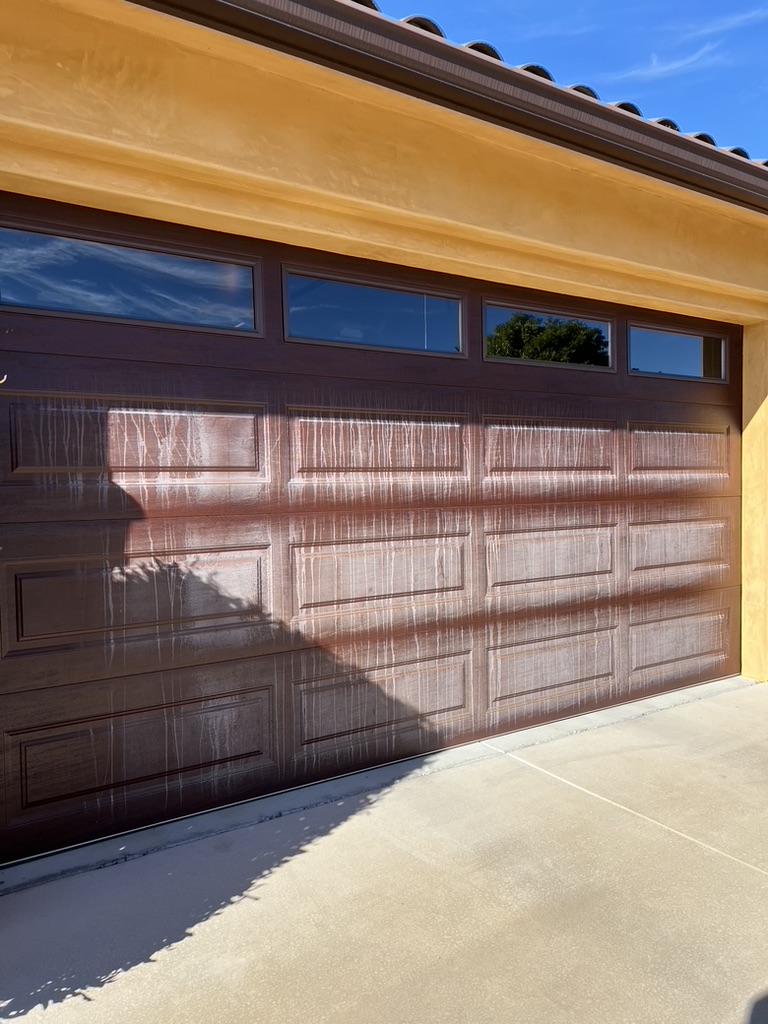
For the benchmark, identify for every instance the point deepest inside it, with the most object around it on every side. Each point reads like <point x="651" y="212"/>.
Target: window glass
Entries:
<point x="67" y="274"/>
<point x="675" y="355"/>
<point x="355" y="314"/>
<point x="520" y="334"/>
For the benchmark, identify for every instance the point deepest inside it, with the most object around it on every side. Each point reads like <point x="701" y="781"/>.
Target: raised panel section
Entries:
<point x="326" y="443"/>
<point x="185" y="441"/>
<point x="522" y="556"/>
<point x="72" y="760"/>
<point x="553" y="446"/>
<point x="357" y="572"/>
<point x="673" y="640"/>
<point x="63" y="602"/>
<point x="684" y="542"/>
<point x="381" y="699"/>
<point x="542" y="670"/>
<point x="677" y="448"/>
<point x="69" y="437"/>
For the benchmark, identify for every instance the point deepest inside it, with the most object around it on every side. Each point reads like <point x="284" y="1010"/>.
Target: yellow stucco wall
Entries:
<point x="105" y="104"/>
<point x="125" y="109"/>
<point x="754" y="539"/>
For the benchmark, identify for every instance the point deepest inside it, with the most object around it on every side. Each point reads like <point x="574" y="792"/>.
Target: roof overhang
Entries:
<point x="358" y="41"/>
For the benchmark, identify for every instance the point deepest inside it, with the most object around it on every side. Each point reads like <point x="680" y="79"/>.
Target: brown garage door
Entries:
<point x="232" y="563"/>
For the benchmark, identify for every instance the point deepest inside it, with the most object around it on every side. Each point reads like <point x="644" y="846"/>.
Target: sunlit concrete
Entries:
<point x="609" y="868"/>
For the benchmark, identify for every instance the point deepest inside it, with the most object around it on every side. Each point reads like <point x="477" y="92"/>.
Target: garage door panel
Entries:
<point x="360" y="459"/>
<point x="673" y="456"/>
<point x="63" y="600"/>
<point x="548" y="444"/>
<point x="397" y="700"/>
<point x="104" y="457"/>
<point x="547" y="458"/>
<point x="59" y="603"/>
<point x="682" y="547"/>
<point x="381" y="697"/>
<point x="372" y="575"/>
<point x="358" y="443"/>
<point x="176" y="595"/>
<point x="129" y="746"/>
<point x="343" y="574"/>
<point x="96" y="755"/>
<point x="690" y="640"/>
<point x="551" y="676"/>
<point x="525" y="558"/>
<point x="550" y="548"/>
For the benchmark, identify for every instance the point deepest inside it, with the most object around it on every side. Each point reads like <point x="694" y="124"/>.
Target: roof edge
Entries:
<point x="358" y="41"/>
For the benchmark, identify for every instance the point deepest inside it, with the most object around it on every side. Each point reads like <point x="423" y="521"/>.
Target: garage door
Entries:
<point x="302" y="535"/>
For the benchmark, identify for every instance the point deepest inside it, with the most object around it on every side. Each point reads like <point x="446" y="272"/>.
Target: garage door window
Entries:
<point x="670" y="354"/>
<point x="77" y="276"/>
<point x="545" y="337"/>
<point x="319" y="309"/>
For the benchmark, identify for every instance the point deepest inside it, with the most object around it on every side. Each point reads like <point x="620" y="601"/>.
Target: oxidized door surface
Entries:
<point x="223" y="574"/>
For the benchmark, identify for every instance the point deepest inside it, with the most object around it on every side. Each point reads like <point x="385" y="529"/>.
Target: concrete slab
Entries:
<point x="700" y="767"/>
<point x="480" y="888"/>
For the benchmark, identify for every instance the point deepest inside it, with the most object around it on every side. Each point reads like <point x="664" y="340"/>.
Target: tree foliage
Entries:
<point x="525" y="336"/>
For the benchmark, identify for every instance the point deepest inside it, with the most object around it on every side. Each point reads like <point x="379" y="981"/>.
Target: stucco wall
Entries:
<point x="754" y="536"/>
<point x="110" y="105"/>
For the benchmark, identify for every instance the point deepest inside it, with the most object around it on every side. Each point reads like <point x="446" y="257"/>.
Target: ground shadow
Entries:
<point x="66" y="937"/>
<point x="759" y="1012"/>
<point x="182" y="685"/>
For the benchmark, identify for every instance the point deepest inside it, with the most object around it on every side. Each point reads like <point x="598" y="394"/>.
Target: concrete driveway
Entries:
<point x="611" y="868"/>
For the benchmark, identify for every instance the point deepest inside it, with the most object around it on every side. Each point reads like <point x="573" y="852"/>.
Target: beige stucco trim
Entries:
<point x="754" y="538"/>
<point x="124" y="109"/>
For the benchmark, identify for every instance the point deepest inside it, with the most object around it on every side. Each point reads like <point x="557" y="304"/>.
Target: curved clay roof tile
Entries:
<point x="536" y="69"/>
<point x="585" y="90"/>
<point x="425" y="24"/>
<point x="666" y="122"/>
<point x="702" y="137"/>
<point x="480" y="47"/>
<point x="629" y="107"/>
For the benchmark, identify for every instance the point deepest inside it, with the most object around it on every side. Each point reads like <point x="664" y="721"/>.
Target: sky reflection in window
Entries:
<point x="675" y="355"/>
<point x="71" y="275"/>
<point x="355" y="314"/>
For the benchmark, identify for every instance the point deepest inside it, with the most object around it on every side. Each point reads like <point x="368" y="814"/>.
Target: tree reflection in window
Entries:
<point x="513" y="334"/>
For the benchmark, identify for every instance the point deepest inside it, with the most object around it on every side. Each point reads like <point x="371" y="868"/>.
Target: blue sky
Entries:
<point x="704" y="63"/>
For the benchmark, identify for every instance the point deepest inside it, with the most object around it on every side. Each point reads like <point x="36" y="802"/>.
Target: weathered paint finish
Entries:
<point x="127" y="110"/>
<point x="235" y="577"/>
<point x="233" y="564"/>
<point x="754" y="645"/>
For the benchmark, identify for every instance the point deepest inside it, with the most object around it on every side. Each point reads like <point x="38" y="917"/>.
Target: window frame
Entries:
<point x="611" y="320"/>
<point x="725" y="340"/>
<point x="254" y="266"/>
<point x="371" y="281"/>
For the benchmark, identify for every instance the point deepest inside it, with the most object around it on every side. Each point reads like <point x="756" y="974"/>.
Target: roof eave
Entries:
<point x="357" y="41"/>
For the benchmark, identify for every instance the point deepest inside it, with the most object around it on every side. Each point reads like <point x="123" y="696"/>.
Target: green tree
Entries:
<point x="551" y="339"/>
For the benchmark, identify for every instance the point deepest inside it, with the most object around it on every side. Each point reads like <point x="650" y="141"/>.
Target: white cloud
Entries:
<point x="657" y="68"/>
<point x="730" y="23"/>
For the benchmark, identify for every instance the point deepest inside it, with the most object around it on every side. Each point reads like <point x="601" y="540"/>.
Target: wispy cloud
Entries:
<point x="730" y="23"/>
<point x="655" y="68"/>
<point x="552" y="30"/>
